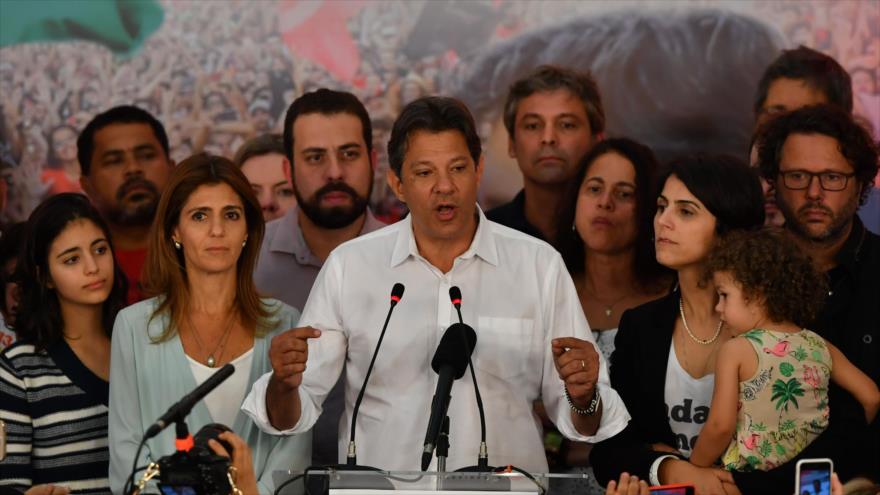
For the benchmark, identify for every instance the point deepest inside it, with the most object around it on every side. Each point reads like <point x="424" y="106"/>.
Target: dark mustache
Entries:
<point x="336" y="187"/>
<point x="135" y="182"/>
<point x="815" y="206"/>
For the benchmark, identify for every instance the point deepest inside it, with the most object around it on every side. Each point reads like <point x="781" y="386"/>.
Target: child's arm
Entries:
<point x="851" y="379"/>
<point x="721" y="424"/>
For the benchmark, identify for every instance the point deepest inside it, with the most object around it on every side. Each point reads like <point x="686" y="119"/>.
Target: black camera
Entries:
<point x="198" y="471"/>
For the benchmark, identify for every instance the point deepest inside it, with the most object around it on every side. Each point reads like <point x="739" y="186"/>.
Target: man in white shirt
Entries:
<point x="532" y="338"/>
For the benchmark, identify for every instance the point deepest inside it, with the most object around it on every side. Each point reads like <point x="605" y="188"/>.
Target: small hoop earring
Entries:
<point x="177" y="244"/>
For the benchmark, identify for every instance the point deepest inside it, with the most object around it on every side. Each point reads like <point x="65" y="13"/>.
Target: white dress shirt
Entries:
<point x="516" y="294"/>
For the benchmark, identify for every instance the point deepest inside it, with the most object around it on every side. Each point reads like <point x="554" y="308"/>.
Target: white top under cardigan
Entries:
<point x="146" y="378"/>
<point x="231" y="391"/>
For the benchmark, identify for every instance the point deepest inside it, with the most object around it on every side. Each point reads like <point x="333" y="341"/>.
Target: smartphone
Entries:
<point x="814" y="477"/>
<point x="681" y="489"/>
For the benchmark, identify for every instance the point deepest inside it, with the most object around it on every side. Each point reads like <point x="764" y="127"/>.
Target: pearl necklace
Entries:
<point x="688" y="330"/>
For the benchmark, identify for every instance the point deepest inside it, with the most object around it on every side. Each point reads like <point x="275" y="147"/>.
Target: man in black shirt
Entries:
<point x="553" y="117"/>
<point x="822" y="164"/>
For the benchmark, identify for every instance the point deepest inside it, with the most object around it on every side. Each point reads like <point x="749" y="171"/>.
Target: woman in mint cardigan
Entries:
<point x="204" y="243"/>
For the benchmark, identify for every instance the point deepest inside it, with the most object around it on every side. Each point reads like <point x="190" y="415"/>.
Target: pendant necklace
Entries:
<point x="211" y="361"/>
<point x="609" y="308"/>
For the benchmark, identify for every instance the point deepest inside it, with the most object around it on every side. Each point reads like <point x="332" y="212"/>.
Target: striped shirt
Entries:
<point x="55" y="410"/>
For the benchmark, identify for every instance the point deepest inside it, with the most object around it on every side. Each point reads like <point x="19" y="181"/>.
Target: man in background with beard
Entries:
<point x="822" y="163"/>
<point x="330" y="162"/>
<point x="124" y="160"/>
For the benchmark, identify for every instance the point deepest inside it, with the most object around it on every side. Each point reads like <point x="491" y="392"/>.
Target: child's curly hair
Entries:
<point x="767" y="265"/>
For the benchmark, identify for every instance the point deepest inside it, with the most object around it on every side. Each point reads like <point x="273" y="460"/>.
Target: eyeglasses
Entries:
<point x="801" y="179"/>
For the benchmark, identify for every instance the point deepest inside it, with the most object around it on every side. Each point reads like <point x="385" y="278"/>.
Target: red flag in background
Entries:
<point x="317" y="30"/>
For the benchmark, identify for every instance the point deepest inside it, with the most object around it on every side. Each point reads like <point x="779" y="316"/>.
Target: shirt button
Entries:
<point x="867" y="338"/>
<point x="830" y="292"/>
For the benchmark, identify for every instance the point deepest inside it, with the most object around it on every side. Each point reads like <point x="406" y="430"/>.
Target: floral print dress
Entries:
<point x="784" y="406"/>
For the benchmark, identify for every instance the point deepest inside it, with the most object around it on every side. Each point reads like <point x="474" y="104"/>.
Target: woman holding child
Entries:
<point x="665" y="350"/>
<point x="668" y="350"/>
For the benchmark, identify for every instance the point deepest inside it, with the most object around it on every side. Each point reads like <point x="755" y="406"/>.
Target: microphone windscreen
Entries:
<point x="455" y="294"/>
<point x="452" y="350"/>
<point x="397" y="292"/>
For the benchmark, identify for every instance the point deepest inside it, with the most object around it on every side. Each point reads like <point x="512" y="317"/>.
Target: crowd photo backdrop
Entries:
<point x="679" y="76"/>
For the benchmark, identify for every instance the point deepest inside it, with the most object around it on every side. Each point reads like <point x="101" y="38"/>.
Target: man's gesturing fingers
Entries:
<point x="289" y="352"/>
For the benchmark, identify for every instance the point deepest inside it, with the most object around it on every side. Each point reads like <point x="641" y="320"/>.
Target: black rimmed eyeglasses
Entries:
<point x="801" y="179"/>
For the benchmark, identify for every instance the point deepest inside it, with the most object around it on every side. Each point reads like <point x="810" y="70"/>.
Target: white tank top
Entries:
<point x="224" y="402"/>
<point x="687" y="403"/>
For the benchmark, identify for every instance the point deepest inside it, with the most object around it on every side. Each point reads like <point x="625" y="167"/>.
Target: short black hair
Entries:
<point x="265" y="144"/>
<point x="326" y="102"/>
<point x="551" y="78"/>
<point x="726" y="186"/>
<point x="817" y="70"/>
<point x="569" y="243"/>
<point x="123" y="114"/>
<point x="433" y="114"/>
<point x="854" y="141"/>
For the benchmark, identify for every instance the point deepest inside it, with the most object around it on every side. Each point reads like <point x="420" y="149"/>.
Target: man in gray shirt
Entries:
<point x="330" y="162"/>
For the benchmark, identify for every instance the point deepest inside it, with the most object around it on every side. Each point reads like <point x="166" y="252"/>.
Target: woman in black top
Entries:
<point x="53" y="381"/>
<point x="663" y="364"/>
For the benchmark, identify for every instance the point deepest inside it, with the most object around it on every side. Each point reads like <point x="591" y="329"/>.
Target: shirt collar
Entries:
<point x="483" y="244"/>
<point x="289" y="238"/>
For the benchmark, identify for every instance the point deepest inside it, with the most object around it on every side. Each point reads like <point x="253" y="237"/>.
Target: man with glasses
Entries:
<point x="797" y="78"/>
<point x="822" y="164"/>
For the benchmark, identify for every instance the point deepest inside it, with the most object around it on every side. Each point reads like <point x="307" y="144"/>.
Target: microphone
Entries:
<point x="483" y="458"/>
<point x="396" y="294"/>
<point x="450" y="362"/>
<point x="182" y="408"/>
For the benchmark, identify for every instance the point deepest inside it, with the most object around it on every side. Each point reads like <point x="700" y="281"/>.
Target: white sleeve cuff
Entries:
<point x="254" y="405"/>
<point x="653" y="474"/>
<point x="614" y="419"/>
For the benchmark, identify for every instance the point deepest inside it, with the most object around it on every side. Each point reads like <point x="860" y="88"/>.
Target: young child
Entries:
<point x="771" y="380"/>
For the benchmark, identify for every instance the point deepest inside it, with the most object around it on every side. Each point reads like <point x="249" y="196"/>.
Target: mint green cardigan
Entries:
<point x="147" y="378"/>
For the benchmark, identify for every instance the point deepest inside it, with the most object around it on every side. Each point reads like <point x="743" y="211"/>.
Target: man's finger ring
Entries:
<point x="583" y="364"/>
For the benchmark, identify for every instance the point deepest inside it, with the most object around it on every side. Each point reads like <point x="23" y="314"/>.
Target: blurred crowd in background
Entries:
<point x="218" y="73"/>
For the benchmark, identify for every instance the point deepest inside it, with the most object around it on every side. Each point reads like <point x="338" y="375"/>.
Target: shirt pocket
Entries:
<point x="503" y="346"/>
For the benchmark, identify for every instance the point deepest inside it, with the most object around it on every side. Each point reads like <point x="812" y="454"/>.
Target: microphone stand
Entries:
<point x="183" y="440"/>
<point x="320" y="483"/>
<point x="443" y="446"/>
<point x="483" y="457"/>
<point x="351" y="457"/>
<point x="442" y="452"/>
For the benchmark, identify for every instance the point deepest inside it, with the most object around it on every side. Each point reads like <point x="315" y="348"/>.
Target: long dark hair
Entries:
<point x="647" y="271"/>
<point x="39" y="317"/>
